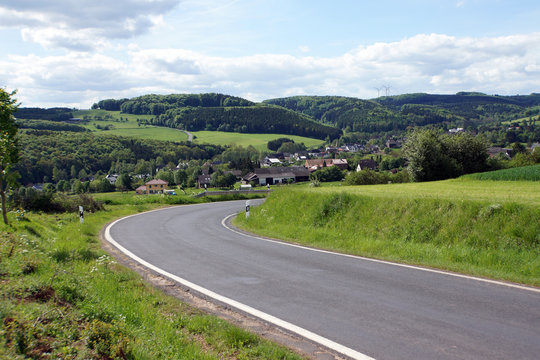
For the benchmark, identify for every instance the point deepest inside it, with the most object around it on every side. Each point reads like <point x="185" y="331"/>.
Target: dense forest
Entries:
<point x="471" y="105"/>
<point x="49" y="125"/>
<point x="50" y="156"/>
<point x="356" y="115"/>
<point x="52" y="114"/>
<point x="399" y="112"/>
<point x="159" y="104"/>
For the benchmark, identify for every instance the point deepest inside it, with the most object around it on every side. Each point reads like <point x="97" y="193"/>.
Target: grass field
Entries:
<point x="62" y="295"/>
<point x="526" y="173"/>
<point x="259" y="141"/>
<point x="132" y="129"/>
<point x="484" y="228"/>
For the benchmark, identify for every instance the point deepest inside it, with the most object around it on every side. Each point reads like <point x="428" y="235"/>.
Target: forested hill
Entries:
<point x="368" y="116"/>
<point x="220" y="112"/>
<point x="471" y="105"/>
<point x="394" y="113"/>
<point x="159" y="104"/>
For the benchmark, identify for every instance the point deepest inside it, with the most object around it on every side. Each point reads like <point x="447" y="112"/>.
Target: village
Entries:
<point x="287" y="168"/>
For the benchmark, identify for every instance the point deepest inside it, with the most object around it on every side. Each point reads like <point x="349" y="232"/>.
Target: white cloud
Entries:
<point x="82" y="24"/>
<point x="423" y="63"/>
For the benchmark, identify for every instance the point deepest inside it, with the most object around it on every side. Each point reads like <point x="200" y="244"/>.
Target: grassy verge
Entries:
<point x="482" y="228"/>
<point x="62" y="297"/>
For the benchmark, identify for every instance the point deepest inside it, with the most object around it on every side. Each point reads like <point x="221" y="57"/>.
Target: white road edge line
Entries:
<point x="242" y="307"/>
<point x="516" y="286"/>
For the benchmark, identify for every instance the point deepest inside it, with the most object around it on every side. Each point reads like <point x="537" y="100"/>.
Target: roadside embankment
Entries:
<point x="493" y="236"/>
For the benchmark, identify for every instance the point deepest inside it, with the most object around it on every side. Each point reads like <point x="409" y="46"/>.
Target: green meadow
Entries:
<point x="483" y="228"/>
<point x="259" y="141"/>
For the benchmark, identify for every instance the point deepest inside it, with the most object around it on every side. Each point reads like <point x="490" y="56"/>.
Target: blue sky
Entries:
<point x="75" y="52"/>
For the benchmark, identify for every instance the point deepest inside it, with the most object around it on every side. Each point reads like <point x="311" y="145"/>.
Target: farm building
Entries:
<point x="277" y="175"/>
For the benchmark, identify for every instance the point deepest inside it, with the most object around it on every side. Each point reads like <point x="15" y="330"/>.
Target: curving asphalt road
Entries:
<point x="369" y="308"/>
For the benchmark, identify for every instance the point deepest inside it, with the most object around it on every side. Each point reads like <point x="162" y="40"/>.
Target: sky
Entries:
<point x="74" y="53"/>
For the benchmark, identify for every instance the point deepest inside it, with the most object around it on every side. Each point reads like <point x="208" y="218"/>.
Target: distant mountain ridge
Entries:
<point x="322" y="117"/>
<point x="397" y="113"/>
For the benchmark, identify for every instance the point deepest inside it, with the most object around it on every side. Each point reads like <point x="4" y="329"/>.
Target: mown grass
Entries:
<point x="63" y="297"/>
<point x="259" y="141"/>
<point x="482" y="228"/>
<point x="525" y="173"/>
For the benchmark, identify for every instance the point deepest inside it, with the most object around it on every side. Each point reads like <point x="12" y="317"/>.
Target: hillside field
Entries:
<point x="259" y="141"/>
<point x="484" y="228"/>
<point x="132" y="129"/>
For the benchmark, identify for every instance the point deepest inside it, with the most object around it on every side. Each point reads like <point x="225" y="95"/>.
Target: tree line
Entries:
<point x="48" y="156"/>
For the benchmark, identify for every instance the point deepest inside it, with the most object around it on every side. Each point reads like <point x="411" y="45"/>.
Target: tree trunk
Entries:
<point x="4" y="210"/>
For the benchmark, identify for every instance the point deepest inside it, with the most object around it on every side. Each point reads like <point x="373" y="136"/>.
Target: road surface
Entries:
<point x="362" y="308"/>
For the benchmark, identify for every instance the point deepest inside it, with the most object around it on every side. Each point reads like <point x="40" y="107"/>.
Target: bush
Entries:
<point x="367" y="177"/>
<point x="331" y="173"/>
<point x="47" y="201"/>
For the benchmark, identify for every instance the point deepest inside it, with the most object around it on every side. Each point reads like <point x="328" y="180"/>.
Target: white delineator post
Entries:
<point x="81" y="213"/>
<point x="247" y="209"/>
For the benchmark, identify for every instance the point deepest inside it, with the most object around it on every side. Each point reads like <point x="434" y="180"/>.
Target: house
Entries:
<point x="392" y="144"/>
<point x="341" y="164"/>
<point x="301" y="156"/>
<point x="140" y="190"/>
<point x="314" y="164"/>
<point x="203" y="181"/>
<point x="277" y="175"/>
<point x="366" y="164"/>
<point x="112" y="178"/>
<point x="237" y="173"/>
<point x="156" y="186"/>
<point x="494" y="151"/>
<point x="268" y="161"/>
<point x="331" y="149"/>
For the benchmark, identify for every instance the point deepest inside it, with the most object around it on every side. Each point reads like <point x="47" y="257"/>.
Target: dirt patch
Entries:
<point x="245" y="321"/>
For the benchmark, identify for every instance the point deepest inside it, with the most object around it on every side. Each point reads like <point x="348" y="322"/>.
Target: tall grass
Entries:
<point x="498" y="239"/>
<point x="62" y="295"/>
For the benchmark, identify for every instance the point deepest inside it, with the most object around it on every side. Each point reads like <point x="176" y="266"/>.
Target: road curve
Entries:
<point x="369" y="308"/>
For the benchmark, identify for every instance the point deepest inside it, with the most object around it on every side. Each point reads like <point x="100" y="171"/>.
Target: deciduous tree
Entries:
<point x="9" y="146"/>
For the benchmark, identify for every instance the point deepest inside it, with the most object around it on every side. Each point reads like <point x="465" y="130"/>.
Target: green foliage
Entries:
<point x="291" y="147"/>
<point x="52" y="114"/>
<point x="436" y="156"/>
<point x="326" y="174"/>
<point x="42" y="151"/>
<point x="159" y="104"/>
<point x="9" y="145"/>
<point x="49" y="125"/>
<point x="33" y="200"/>
<point x="370" y="177"/>
<point x="276" y="143"/>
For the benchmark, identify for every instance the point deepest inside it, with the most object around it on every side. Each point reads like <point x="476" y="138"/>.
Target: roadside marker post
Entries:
<point x="247" y="209"/>
<point x="81" y="213"/>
